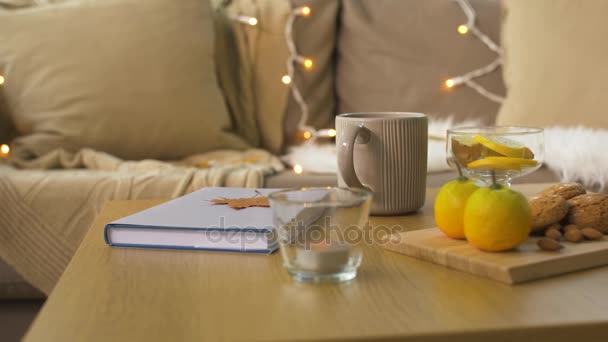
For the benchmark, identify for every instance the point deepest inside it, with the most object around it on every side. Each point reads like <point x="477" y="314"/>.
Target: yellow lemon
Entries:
<point x="449" y="206"/>
<point x="497" y="218"/>
<point x="506" y="147"/>
<point x="502" y="163"/>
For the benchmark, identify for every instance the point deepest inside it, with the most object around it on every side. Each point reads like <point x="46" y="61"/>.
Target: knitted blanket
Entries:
<point x="44" y="214"/>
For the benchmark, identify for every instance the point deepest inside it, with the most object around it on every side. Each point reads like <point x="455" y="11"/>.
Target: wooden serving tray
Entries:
<point x="525" y="263"/>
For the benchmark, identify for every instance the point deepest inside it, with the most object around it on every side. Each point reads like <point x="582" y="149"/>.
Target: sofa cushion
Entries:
<point x="132" y="78"/>
<point x="396" y="55"/>
<point x="555" y="63"/>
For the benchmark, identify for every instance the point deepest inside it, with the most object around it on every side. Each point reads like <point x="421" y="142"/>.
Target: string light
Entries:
<point x="308" y="63"/>
<point x="463" y="29"/>
<point x="327" y="133"/>
<point x="245" y="19"/>
<point x="309" y="133"/>
<point x="252" y="21"/>
<point x="468" y="78"/>
<point x="4" y="150"/>
<point x="303" y="11"/>
<point x="298" y="169"/>
<point x="2" y="80"/>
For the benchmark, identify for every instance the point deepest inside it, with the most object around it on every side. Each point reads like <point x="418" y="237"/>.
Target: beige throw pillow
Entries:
<point x="555" y="63"/>
<point x="132" y="78"/>
<point x="396" y="55"/>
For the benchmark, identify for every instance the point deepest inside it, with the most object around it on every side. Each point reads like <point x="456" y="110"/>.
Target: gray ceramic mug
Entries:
<point x="386" y="153"/>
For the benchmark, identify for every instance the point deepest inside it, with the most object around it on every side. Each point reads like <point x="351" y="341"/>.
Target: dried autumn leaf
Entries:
<point x="242" y="203"/>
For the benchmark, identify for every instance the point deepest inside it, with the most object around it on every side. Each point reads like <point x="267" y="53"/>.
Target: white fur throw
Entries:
<point x="575" y="154"/>
<point x="578" y="155"/>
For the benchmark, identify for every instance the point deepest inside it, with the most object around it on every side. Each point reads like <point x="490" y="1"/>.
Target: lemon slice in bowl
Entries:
<point x="502" y="163"/>
<point x="505" y="146"/>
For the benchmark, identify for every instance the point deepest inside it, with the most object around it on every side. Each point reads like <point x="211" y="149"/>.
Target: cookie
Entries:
<point x="589" y="211"/>
<point x="566" y="190"/>
<point x="547" y="210"/>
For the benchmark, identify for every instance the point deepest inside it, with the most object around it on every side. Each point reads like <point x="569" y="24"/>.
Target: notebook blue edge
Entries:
<point x="271" y="248"/>
<point x="107" y="227"/>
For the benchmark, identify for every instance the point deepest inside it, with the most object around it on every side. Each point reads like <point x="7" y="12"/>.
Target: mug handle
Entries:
<point x="354" y="134"/>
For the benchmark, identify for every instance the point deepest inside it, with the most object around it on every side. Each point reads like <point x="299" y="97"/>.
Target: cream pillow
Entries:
<point x="132" y="78"/>
<point x="555" y="63"/>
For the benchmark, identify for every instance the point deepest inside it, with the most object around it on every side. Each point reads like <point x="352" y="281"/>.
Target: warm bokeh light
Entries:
<point x="4" y="149"/>
<point x="331" y="132"/>
<point x="298" y="169"/>
<point x="2" y="79"/>
<point x="286" y="79"/>
<point x="305" y="11"/>
<point x="449" y="83"/>
<point x="307" y="135"/>
<point x="252" y="21"/>
<point x="463" y="29"/>
<point x="308" y="63"/>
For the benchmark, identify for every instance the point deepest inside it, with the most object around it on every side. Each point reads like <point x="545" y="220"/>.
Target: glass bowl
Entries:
<point x="495" y="153"/>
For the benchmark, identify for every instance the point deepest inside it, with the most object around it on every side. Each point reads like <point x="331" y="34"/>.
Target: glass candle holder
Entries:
<point x="320" y="231"/>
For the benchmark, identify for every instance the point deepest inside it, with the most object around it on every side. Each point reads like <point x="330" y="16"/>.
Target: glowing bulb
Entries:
<point x="307" y="135"/>
<point x="449" y="83"/>
<point x="308" y="63"/>
<point x="286" y="79"/>
<point x="252" y="21"/>
<point x="2" y="79"/>
<point x="298" y="169"/>
<point x="463" y="29"/>
<point x="305" y="11"/>
<point x="5" y="149"/>
<point x="331" y="132"/>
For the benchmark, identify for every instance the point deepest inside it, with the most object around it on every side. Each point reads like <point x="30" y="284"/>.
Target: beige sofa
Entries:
<point x="343" y="37"/>
<point x="66" y="192"/>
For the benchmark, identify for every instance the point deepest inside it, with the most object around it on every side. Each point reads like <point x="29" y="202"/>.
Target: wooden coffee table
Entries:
<point x="110" y="294"/>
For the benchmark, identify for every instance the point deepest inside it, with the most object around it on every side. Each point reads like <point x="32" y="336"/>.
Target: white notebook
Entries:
<point x="193" y="222"/>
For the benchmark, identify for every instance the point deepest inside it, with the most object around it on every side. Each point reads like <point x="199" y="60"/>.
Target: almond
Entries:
<point x="553" y="233"/>
<point x="591" y="234"/>
<point x="548" y="244"/>
<point x="573" y="235"/>
<point x="569" y="227"/>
